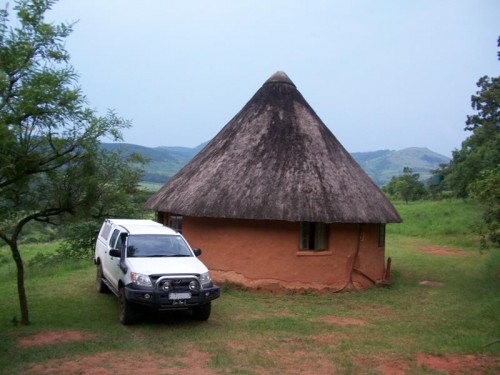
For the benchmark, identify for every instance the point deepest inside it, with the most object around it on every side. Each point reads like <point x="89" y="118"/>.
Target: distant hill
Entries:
<point x="382" y="165"/>
<point x="379" y="165"/>
<point x="164" y="161"/>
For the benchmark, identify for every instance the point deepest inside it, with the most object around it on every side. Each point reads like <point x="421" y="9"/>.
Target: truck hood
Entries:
<point x="172" y="265"/>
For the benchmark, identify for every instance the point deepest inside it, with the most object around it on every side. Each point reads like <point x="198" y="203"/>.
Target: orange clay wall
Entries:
<point x="270" y="250"/>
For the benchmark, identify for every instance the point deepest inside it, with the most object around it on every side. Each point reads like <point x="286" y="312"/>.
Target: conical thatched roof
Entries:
<point x="275" y="160"/>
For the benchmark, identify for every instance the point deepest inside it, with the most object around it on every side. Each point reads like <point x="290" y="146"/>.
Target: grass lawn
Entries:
<point x="440" y="316"/>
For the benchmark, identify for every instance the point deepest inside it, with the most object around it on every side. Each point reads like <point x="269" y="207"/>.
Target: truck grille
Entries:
<point x="178" y="283"/>
<point x="178" y="293"/>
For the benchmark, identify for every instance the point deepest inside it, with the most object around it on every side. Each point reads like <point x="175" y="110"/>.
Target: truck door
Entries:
<point x="112" y="264"/>
<point x="117" y="270"/>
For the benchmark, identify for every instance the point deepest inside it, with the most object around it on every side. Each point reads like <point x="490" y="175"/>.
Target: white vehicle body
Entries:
<point x="147" y="264"/>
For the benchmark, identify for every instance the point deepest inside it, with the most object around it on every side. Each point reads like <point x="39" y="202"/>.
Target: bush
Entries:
<point x="78" y="243"/>
<point x="37" y="232"/>
<point x="79" y="240"/>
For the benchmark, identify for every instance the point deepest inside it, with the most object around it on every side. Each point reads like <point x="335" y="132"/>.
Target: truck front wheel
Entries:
<point x="127" y="312"/>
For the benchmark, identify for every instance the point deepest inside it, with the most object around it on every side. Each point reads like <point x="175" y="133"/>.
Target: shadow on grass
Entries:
<point x="167" y="318"/>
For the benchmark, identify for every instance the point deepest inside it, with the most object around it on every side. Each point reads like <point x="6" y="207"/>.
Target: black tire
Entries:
<point x="100" y="286"/>
<point x="127" y="312"/>
<point x="202" y="312"/>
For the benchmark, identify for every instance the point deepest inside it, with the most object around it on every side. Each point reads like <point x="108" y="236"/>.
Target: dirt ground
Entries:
<point x="196" y="362"/>
<point x="441" y="250"/>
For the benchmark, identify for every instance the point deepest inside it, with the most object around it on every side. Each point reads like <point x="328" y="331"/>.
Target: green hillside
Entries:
<point x="379" y="165"/>
<point x="382" y="165"/>
<point x="164" y="162"/>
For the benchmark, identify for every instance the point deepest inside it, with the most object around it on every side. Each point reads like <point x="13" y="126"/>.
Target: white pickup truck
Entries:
<point x="148" y="265"/>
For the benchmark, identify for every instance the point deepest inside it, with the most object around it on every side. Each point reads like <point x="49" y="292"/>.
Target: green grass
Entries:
<point x="447" y="222"/>
<point x="253" y="333"/>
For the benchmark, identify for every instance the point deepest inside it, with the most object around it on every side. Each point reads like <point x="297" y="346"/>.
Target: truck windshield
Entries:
<point x="150" y="245"/>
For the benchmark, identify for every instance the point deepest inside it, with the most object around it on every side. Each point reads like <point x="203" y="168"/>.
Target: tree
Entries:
<point x="112" y="188"/>
<point x="51" y="165"/>
<point x="406" y="187"/>
<point x="481" y="150"/>
<point x="487" y="191"/>
<point x="474" y="169"/>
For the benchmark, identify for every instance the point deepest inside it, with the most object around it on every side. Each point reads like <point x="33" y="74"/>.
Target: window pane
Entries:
<point x="381" y="235"/>
<point x="320" y="239"/>
<point x="303" y="235"/>
<point x="313" y="236"/>
<point x="150" y="245"/>
<point x="113" y="238"/>
<point x="106" y="230"/>
<point x="175" y="222"/>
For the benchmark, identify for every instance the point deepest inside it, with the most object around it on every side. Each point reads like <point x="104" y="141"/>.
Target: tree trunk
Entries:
<point x="21" y="291"/>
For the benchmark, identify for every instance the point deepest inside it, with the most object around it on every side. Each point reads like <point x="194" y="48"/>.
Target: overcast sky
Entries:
<point x="380" y="74"/>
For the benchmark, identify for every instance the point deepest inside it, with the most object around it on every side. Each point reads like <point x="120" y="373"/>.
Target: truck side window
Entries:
<point x="120" y="243"/>
<point x="105" y="231"/>
<point x="112" y="240"/>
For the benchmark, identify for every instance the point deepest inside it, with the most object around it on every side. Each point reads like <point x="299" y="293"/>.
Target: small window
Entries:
<point x="381" y="235"/>
<point x="112" y="240"/>
<point x="175" y="222"/>
<point x="105" y="231"/>
<point x="313" y="236"/>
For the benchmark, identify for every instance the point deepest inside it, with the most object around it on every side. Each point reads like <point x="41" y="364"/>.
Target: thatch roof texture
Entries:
<point x="275" y="160"/>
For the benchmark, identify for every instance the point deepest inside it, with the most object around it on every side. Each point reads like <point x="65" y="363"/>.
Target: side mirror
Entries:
<point x="197" y="252"/>
<point x="115" y="253"/>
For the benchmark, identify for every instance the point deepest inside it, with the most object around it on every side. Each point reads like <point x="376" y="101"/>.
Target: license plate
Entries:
<point x="179" y="296"/>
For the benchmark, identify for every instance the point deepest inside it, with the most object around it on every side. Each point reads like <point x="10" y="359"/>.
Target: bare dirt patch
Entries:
<point x="277" y="286"/>
<point x="301" y="362"/>
<point x="53" y="337"/>
<point x="394" y="367"/>
<point x="452" y="364"/>
<point x="431" y="283"/>
<point x="195" y="363"/>
<point x="441" y="250"/>
<point x="342" y="320"/>
<point x="330" y="339"/>
<point x="459" y="364"/>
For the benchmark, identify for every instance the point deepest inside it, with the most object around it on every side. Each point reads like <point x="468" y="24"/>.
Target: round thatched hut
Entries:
<point x="275" y="200"/>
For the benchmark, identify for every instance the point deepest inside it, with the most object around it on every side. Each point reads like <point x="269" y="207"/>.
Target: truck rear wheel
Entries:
<point x="128" y="313"/>
<point x="100" y="286"/>
<point x="202" y="312"/>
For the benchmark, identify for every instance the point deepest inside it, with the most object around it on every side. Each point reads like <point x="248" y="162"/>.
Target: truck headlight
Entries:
<point x="194" y="286"/>
<point x="205" y="279"/>
<point x="140" y="279"/>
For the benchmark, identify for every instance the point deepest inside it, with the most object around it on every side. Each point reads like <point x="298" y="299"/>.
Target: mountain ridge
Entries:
<point x="380" y="165"/>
